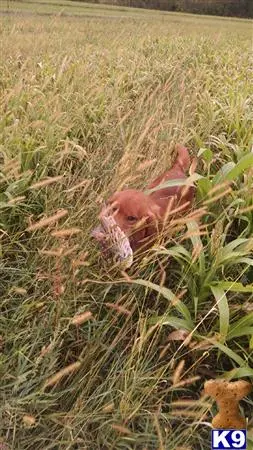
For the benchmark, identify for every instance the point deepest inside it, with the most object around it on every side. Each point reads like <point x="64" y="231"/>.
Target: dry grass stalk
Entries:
<point x="28" y="420"/>
<point x="164" y="350"/>
<point x="146" y="165"/>
<point x="65" y="233"/>
<point x="71" y="250"/>
<point x="126" y="276"/>
<point x="194" y="216"/>
<point x="57" y="252"/>
<point x="46" y="182"/>
<point x="217" y="197"/>
<point x="190" y="234"/>
<point x="196" y="252"/>
<point x="216" y="237"/>
<point x="191" y="414"/>
<point x="178" y="209"/>
<point x="178" y="372"/>
<point x="81" y="261"/>
<point x="19" y="290"/>
<point x="190" y="403"/>
<point x="120" y="309"/>
<point x="108" y="408"/>
<point x="220" y="186"/>
<point x="159" y="432"/>
<point x="83" y="183"/>
<point x="121" y="429"/>
<point x="48" y="221"/>
<point x="81" y="318"/>
<point x="244" y="210"/>
<point x="54" y="379"/>
<point x="15" y="200"/>
<point x="187" y="381"/>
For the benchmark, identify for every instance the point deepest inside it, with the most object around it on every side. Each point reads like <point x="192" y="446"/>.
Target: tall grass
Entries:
<point x="89" y="355"/>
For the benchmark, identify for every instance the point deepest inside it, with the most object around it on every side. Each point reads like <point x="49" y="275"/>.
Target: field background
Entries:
<point x="94" y="98"/>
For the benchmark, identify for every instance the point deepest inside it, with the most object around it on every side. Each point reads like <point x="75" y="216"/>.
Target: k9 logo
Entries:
<point x="229" y="439"/>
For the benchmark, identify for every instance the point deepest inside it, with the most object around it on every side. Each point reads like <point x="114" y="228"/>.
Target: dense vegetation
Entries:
<point x="90" y="357"/>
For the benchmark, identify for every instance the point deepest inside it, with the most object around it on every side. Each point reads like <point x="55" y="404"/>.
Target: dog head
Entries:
<point x="135" y="213"/>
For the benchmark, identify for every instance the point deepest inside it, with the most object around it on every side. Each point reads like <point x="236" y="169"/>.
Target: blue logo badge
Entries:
<point x="229" y="439"/>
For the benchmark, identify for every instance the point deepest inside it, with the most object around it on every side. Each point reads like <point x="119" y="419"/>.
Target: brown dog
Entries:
<point x="140" y="215"/>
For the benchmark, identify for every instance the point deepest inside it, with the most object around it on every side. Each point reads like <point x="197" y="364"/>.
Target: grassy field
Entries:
<point x="92" y="358"/>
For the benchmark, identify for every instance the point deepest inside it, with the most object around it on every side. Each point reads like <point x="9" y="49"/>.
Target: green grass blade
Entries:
<point x="177" y="182"/>
<point x="169" y="295"/>
<point x="246" y="331"/>
<point x="230" y="353"/>
<point x="231" y="171"/>
<point x="173" y="321"/>
<point x="223" y="308"/>
<point x="233" y="286"/>
<point x="193" y="229"/>
<point x="239" y="372"/>
<point x="245" y="322"/>
<point x="222" y="174"/>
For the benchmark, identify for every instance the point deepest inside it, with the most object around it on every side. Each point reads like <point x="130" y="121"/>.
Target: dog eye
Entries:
<point x="131" y="218"/>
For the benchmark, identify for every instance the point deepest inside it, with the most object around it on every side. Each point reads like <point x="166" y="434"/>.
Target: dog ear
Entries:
<point x="183" y="158"/>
